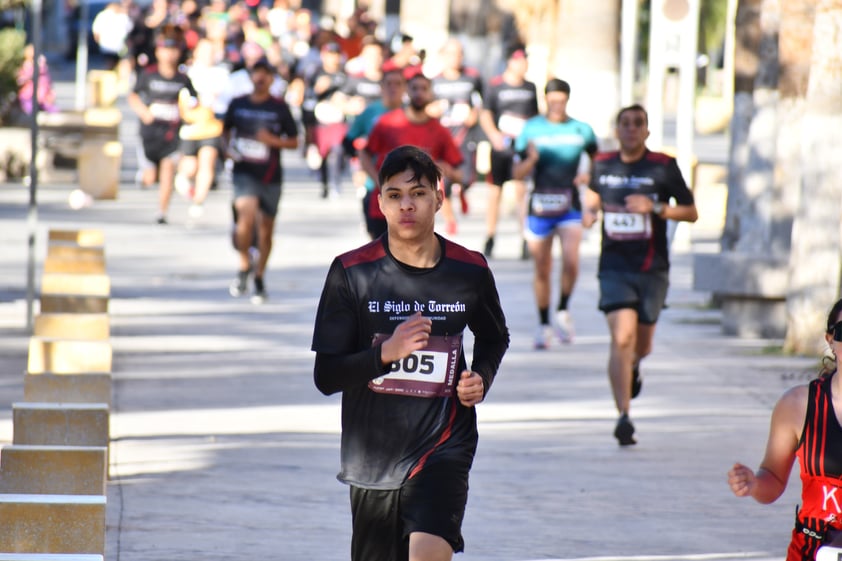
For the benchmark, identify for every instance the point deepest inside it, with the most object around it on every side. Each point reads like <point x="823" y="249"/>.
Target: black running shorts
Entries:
<point x="159" y="141"/>
<point x="644" y="292"/>
<point x="501" y="166"/>
<point x="432" y="502"/>
<point x="192" y="147"/>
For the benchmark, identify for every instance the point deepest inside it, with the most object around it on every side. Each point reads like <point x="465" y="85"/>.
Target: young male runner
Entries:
<point x="551" y="148"/>
<point x="256" y="128"/>
<point x="633" y="188"/>
<point x="509" y="100"/>
<point x="388" y="335"/>
<point x="392" y="90"/>
<point x="458" y="93"/>
<point x="411" y="125"/>
<point x="155" y="100"/>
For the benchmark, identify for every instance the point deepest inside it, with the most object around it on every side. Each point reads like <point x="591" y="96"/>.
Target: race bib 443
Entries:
<point x="429" y="372"/>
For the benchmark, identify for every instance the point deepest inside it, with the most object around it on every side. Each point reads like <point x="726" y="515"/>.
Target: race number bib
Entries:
<point x="164" y="112"/>
<point x="622" y="225"/>
<point x="252" y="150"/>
<point x="327" y="113"/>
<point x="429" y="372"/>
<point x="556" y="203"/>
<point x="510" y="125"/>
<point x="456" y="115"/>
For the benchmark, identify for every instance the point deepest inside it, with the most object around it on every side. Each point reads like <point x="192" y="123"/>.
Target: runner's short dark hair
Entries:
<point x="633" y="107"/>
<point x="408" y="157"/>
<point x="557" y="85"/>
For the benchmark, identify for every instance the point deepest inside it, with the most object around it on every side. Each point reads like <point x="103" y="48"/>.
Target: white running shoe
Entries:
<point x="313" y="157"/>
<point x="182" y="186"/>
<point x="543" y="335"/>
<point x="564" y="326"/>
<point x="196" y="211"/>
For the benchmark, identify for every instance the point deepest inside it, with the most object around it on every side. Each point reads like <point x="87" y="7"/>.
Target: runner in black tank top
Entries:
<point x="806" y="425"/>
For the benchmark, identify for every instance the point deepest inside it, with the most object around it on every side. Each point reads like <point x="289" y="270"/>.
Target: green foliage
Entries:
<point x="712" y="14"/>
<point x="11" y="56"/>
<point x="7" y="4"/>
<point x="712" y="24"/>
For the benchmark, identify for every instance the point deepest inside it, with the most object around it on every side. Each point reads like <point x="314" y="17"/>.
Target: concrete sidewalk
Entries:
<point x="223" y="449"/>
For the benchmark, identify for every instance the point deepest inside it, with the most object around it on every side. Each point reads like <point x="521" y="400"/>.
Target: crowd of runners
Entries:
<point x="222" y="88"/>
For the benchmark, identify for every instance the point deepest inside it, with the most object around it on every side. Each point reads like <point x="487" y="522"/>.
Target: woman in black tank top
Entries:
<point x="805" y="424"/>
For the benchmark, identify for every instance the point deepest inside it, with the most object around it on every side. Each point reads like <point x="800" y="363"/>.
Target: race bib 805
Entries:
<point x="429" y="372"/>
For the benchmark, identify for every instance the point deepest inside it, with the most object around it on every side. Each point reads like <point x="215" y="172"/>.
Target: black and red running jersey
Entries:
<point x="633" y="242"/>
<point x="399" y="417"/>
<point x="510" y="105"/>
<point x="243" y="120"/>
<point x="819" y="455"/>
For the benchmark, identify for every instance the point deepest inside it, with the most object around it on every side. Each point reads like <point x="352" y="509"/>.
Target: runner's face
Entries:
<point x="832" y="341"/>
<point x="452" y="56"/>
<point x="632" y="130"/>
<point x="167" y="56"/>
<point x="409" y="206"/>
<point x="518" y="66"/>
<point x="420" y="93"/>
<point x="331" y="61"/>
<point x="556" y="106"/>
<point x="394" y="87"/>
<point x="262" y="80"/>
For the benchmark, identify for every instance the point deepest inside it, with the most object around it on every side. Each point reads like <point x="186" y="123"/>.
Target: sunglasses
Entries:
<point x="837" y="331"/>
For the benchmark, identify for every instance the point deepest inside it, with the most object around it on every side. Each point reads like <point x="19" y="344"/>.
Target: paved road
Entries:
<point x="223" y="449"/>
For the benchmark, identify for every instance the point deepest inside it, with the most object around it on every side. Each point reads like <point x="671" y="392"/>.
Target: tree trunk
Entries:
<point x="587" y="55"/>
<point x="577" y="41"/>
<point x="746" y="48"/>
<point x="795" y="48"/>
<point x="815" y="262"/>
<point x="754" y="236"/>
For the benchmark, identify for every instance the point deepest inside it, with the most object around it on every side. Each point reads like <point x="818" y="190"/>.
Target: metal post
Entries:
<point x="82" y="56"/>
<point x="655" y="82"/>
<point x="685" y="122"/>
<point x="32" y="214"/>
<point x="628" y="50"/>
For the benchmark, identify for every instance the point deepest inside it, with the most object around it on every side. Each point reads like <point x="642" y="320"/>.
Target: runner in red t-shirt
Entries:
<point x="411" y="125"/>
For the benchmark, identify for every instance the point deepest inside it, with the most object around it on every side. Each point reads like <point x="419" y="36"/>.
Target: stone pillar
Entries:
<point x="749" y="276"/>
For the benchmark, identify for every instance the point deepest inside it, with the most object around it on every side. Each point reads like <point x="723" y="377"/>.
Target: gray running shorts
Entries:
<point x="644" y="292"/>
<point x="268" y="194"/>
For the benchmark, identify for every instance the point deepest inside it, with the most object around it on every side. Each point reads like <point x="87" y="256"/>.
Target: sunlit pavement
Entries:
<point x="223" y="449"/>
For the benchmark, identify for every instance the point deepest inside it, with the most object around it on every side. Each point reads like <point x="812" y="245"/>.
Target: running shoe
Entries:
<point x="637" y="381"/>
<point x="543" y="335"/>
<point x="624" y="431"/>
<point x="313" y="157"/>
<point x="183" y="186"/>
<point x="489" y="247"/>
<point x="463" y="201"/>
<point x="161" y="219"/>
<point x="196" y="211"/>
<point x="240" y="284"/>
<point x="564" y="326"/>
<point x="259" y="296"/>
